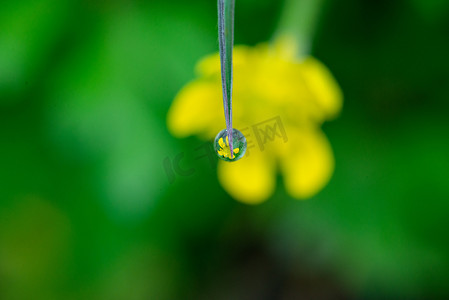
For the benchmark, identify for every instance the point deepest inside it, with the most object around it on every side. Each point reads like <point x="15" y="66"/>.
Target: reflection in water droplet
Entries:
<point x="221" y="145"/>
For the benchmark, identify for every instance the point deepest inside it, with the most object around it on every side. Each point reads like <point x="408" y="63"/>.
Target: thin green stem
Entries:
<point x="298" y="21"/>
<point x="226" y="10"/>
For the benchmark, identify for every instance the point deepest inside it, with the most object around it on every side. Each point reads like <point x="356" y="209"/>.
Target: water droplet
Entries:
<point x="221" y="145"/>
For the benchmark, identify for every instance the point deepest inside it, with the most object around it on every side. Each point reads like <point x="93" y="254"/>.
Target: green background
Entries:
<point x="88" y="211"/>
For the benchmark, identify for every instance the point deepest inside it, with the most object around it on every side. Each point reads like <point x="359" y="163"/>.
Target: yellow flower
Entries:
<point x="225" y="150"/>
<point x="269" y="84"/>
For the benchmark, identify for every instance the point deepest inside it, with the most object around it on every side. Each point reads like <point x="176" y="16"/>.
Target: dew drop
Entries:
<point x="221" y="145"/>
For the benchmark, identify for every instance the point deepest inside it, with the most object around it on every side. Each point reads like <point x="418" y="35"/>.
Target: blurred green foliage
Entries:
<point x="87" y="210"/>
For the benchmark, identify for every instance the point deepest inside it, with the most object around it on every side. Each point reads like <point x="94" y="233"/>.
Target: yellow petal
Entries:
<point x="250" y="180"/>
<point x="323" y="86"/>
<point x="221" y="143"/>
<point x="208" y="66"/>
<point x="286" y="46"/>
<point x="186" y="115"/>
<point x="236" y="150"/>
<point x="308" y="165"/>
